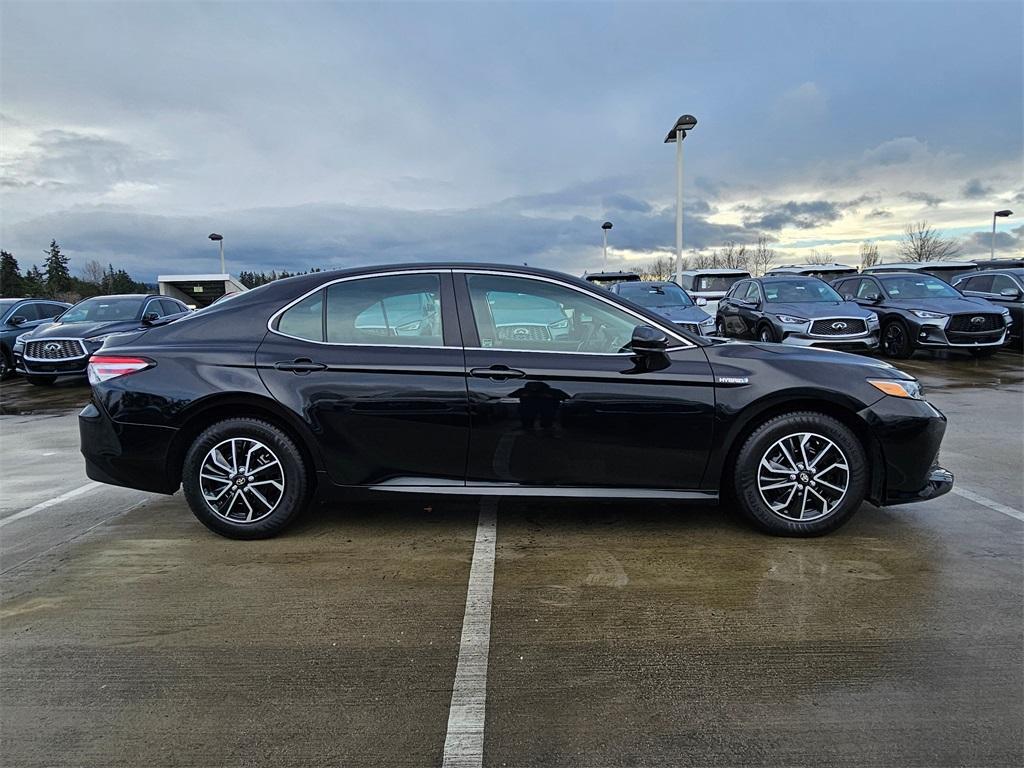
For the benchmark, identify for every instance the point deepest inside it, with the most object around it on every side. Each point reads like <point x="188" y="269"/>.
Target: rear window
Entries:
<point x="716" y="282"/>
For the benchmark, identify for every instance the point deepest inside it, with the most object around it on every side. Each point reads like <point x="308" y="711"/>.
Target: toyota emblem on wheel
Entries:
<point x="840" y="326"/>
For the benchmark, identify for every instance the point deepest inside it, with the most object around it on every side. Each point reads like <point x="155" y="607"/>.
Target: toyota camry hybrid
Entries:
<point x="488" y="380"/>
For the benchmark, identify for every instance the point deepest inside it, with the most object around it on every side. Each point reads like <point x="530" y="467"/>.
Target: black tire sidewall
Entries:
<point x="908" y="345"/>
<point x="745" y="489"/>
<point x="296" y="477"/>
<point x="766" y="330"/>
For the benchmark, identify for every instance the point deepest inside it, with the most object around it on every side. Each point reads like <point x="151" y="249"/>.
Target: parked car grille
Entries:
<point x="838" y="326"/>
<point x="974" y="338"/>
<point x="988" y="322"/>
<point x="55" y="349"/>
<point x="523" y="333"/>
<point x="693" y="328"/>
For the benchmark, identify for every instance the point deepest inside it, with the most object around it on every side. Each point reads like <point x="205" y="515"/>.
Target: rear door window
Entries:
<point x="305" y="320"/>
<point x="388" y="309"/>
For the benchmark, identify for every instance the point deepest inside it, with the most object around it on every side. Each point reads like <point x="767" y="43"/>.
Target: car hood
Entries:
<point x="81" y="330"/>
<point x="816" y="309"/>
<point x="815" y="355"/>
<point x="681" y="314"/>
<point x="945" y="306"/>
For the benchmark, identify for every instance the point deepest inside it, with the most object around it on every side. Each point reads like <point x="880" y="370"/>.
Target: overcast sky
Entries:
<point x="338" y="134"/>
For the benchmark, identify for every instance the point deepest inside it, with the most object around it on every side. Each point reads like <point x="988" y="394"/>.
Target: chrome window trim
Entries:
<point x="545" y="279"/>
<point x="684" y="344"/>
<point x="146" y="307"/>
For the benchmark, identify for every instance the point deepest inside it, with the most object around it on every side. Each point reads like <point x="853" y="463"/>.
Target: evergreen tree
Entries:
<point x="12" y="284"/>
<point x="34" y="284"/>
<point x="58" y="276"/>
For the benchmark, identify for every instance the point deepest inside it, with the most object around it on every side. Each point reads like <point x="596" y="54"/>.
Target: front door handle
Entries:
<point x="497" y="373"/>
<point x="300" y="366"/>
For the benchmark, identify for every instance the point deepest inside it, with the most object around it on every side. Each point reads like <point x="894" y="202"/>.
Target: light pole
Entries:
<point x="677" y="134"/>
<point x="604" y="230"/>
<point x="219" y="239"/>
<point x="1001" y="215"/>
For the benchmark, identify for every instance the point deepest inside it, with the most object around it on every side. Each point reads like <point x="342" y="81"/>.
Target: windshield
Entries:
<point x="717" y="282"/>
<point x="6" y="304"/>
<point x="919" y="287"/>
<point x="647" y="295"/>
<point x="798" y="292"/>
<point x="103" y="310"/>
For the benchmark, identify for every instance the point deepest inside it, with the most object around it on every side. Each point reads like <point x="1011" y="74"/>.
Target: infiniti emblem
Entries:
<point x="839" y="326"/>
<point x="977" y="320"/>
<point x="52" y="347"/>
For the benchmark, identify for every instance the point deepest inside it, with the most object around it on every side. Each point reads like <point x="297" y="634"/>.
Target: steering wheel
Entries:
<point x="600" y="340"/>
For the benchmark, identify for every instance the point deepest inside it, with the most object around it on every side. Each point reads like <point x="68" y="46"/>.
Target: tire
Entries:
<point x="720" y="328"/>
<point x="256" y="442"/>
<point x="895" y="341"/>
<point x="813" y="508"/>
<point x="6" y="366"/>
<point x="42" y="381"/>
<point x="766" y="334"/>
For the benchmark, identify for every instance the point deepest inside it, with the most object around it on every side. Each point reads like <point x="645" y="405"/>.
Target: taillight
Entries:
<point x="107" y="367"/>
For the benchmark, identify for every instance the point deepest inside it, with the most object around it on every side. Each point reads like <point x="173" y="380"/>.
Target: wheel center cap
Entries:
<point x="804" y="477"/>
<point x="239" y="481"/>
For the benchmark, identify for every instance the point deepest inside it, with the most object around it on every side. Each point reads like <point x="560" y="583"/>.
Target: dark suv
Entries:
<point x="1002" y="287"/>
<point x="919" y="311"/>
<point x="62" y="348"/>
<point x="803" y="311"/>
<point x="17" y="317"/>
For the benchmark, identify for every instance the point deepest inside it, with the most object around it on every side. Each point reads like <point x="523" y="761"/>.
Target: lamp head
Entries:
<point x="215" y="237"/>
<point x="684" y="124"/>
<point x="1003" y="214"/>
<point x="606" y="225"/>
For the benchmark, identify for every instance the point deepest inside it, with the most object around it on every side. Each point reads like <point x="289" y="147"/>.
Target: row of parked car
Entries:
<point x="42" y="339"/>
<point x="897" y="308"/>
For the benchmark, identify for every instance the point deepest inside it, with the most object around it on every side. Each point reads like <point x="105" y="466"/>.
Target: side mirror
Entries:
<point x="648" y="340"/>
<point x="17" y="320"/>
<point x="150" y="317"/>
<point x="873" y="298"/>
<point x="848" y="297"/>
<point x="701" y="301"/>
<point x="1006" y="293"/>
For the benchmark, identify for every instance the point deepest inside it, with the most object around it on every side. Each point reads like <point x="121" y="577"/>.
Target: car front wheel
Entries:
<point x="6" y="367"/>
<point x="896" y="340"/>
<point x="800" y="474"/>
<point x="245" y="479"/>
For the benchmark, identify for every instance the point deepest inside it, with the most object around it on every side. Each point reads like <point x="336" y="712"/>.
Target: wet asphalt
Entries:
<point x="622" y="634"/>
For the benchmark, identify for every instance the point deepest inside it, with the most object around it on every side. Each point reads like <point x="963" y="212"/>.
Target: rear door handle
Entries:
<point x="497" y="373"/>
<point x="300" y="366"/>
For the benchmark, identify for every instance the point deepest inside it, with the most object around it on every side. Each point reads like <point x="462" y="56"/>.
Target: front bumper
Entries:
<point x="864" y="341"/>
<point x="130" y="455"/>
<point x="935" y="336"/>
<point x="905" y="464"/>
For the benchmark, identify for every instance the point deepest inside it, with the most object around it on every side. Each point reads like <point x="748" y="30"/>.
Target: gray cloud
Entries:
<point x="879" y="213"/>
<point x="922" y="197"/>
<point x="979" y="243"/>
<point x="974" y="189"/>
<point x="802" y="215"/>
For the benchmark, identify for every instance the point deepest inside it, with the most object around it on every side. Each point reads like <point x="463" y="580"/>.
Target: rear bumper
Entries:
<point x="908" y="434"/>
<point x="129" y="455"/>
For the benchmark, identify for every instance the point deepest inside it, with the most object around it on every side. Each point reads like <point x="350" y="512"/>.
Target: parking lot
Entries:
<point x="620" y="633"/>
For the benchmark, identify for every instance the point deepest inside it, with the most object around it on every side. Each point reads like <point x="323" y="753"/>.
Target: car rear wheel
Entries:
<point x="42" y="381"/>
<point x="766" y="334"/>
<point x="6" y="367"/>
<point x="896" y="340"/>
<point x="245" y="479"/>
<point x="800" y="474"/>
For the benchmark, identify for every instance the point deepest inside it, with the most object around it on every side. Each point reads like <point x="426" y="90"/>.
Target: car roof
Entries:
<point x="917" y="266"/>
<point x="784" y="278"/>
<point x="715" y="271"/>
<point x="1015" y="271"/>
<point x="808" y="268"/>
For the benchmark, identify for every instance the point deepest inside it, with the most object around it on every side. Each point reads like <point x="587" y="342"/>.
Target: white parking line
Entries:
<point x="50" y="503"/>
<point x="464" y="741"/>
<point x="993" y="505"/>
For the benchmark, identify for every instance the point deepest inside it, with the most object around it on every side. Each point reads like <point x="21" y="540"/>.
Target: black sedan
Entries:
<point x="919" y="311"/>
<point x="671" y="302"/>
<point x="803" y="311"/>
<point x="62" y="348"/>
<point x="402" y="380"/>
<point x="1003" y="288"/>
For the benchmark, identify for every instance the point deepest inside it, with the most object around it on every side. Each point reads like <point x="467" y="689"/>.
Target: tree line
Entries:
<point x="252" y="279"/>
<point x="920" y="242"/>
<point x="55" y="281"/>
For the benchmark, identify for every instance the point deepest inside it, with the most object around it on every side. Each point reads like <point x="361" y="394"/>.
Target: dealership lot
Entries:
<point x="620" y="634"/>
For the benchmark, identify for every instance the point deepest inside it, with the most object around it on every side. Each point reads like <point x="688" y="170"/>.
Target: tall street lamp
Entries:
<point x="995" y="215"/>
<point x="604" y="230"/>
<point x="219" y="239"/>
<point x="677" y="134"/>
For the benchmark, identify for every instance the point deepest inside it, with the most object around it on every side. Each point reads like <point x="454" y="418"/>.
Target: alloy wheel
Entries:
<point x="803" y="477"/>
<point x="242" y="480"/>
<point x="894" y="340"/>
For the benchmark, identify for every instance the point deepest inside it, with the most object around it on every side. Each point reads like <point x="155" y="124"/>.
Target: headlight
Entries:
<point x="709" y="323"/>
<point x="791" y="319"/>
<point x="409" y="327"/>
<point x="898" y="388"/>
<point x="559" y="324"/>
<point x="1007" y="320"/>
<point x="926" y="315"/>
<point x="873" y="321"/>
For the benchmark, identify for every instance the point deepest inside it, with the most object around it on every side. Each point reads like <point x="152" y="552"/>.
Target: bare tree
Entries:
<point x="732" y="257"/>
<point x="818" y="257"/>
<point x="763" y="256"/>
<point x="702" y="260"/>
<point x="662" y="268"/>
<point x="869" y="255"/>
<point x="93" y="272"/>
<point x="922" y="243"/>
